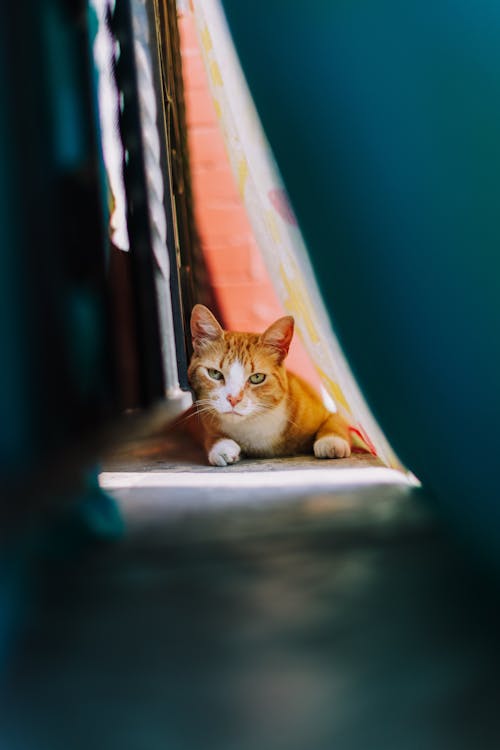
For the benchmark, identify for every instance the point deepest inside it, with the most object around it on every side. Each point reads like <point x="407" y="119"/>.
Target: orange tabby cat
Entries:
<point x="249" y="403"/>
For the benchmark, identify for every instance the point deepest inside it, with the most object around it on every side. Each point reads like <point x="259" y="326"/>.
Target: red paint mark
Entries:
<point x="280" y="203"/>
<point x="364" y="437"/>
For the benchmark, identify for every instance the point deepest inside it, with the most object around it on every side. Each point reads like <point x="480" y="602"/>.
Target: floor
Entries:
<point x="169" y="474"/>
<point x="289" y="605"/>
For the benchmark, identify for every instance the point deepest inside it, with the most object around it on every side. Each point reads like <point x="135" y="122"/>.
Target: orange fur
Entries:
<point x="280" y="416"/>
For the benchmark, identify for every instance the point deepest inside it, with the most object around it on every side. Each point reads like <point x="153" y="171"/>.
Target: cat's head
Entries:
<point x="238" y="374"/>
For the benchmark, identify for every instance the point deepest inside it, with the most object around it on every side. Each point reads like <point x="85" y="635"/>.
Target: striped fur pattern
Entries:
<point x="249" y="404"/>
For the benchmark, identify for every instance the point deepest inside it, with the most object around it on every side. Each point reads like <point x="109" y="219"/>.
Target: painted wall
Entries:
<point x="240" y="280"/>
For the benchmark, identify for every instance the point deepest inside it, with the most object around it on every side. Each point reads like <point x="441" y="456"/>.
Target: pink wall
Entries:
<point x="239" y="277"/>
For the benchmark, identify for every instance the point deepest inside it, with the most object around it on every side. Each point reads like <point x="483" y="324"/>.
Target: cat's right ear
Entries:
<point x="204" y="327"/>
<point x="279" y="336"/>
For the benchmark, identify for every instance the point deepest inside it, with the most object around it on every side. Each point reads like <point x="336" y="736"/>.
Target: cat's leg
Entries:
<point x="222" y="451"/>
<point x="333" y="438"/>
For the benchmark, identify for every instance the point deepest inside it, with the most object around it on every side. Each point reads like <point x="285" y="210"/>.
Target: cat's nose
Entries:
<point x="233" y="400"/>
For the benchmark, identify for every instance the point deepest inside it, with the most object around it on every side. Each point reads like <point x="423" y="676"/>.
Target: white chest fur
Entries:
<point x="258" y="435"/>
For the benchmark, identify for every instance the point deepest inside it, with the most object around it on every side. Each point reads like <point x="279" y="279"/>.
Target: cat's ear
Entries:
<point x="279" y="336"/>
<point x="204" y="327"/>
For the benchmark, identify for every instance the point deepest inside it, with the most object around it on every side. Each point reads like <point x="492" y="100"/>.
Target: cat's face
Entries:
<point x="239" y="375"/>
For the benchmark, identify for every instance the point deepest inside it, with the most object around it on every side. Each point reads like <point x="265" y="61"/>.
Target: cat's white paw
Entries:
<point x="332" y="446"/>
<point x="224" y="452"/>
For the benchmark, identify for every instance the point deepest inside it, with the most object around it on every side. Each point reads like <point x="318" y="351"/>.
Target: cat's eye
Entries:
<point x="256" y="378"/>
<point x="215" y="374"/>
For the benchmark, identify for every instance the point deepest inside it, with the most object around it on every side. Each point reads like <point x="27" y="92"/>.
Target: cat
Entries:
<point x="249" y="404"/>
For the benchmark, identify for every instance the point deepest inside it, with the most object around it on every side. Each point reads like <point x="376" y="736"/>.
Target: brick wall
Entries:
<point x="239" y="277"/>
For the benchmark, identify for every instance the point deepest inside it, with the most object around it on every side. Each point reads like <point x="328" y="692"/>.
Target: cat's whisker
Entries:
<point x="202" y="402"/>
<point x="186" y="418"/>
<point x="205" y="410"/>
<point x="197" y="409"/>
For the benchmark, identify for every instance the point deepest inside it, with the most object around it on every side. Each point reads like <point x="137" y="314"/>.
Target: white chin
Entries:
<point x="237" y="414"/>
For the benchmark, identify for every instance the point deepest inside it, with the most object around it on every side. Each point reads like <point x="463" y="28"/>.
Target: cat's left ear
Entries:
<point x="279" y="336"/>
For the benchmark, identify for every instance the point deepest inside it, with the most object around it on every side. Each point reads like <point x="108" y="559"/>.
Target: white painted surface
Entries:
<point x="292" y="478"/>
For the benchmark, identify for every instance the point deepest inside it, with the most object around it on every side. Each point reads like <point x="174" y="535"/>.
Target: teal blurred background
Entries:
<point x="385" y="121"/>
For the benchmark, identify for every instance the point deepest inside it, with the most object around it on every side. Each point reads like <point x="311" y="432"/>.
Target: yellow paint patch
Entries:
<point x="206" y="39"/>
<point x="215" y="74"/>
<point x="298" y="301"/>
<point x="218" y="109"/>
<point x="242" y="175"/>
<point x="273" y="227"/>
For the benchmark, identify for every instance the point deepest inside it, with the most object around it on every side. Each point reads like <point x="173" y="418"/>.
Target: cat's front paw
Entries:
<point x="332" y="446"/>
<point x="224" y="452"/>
